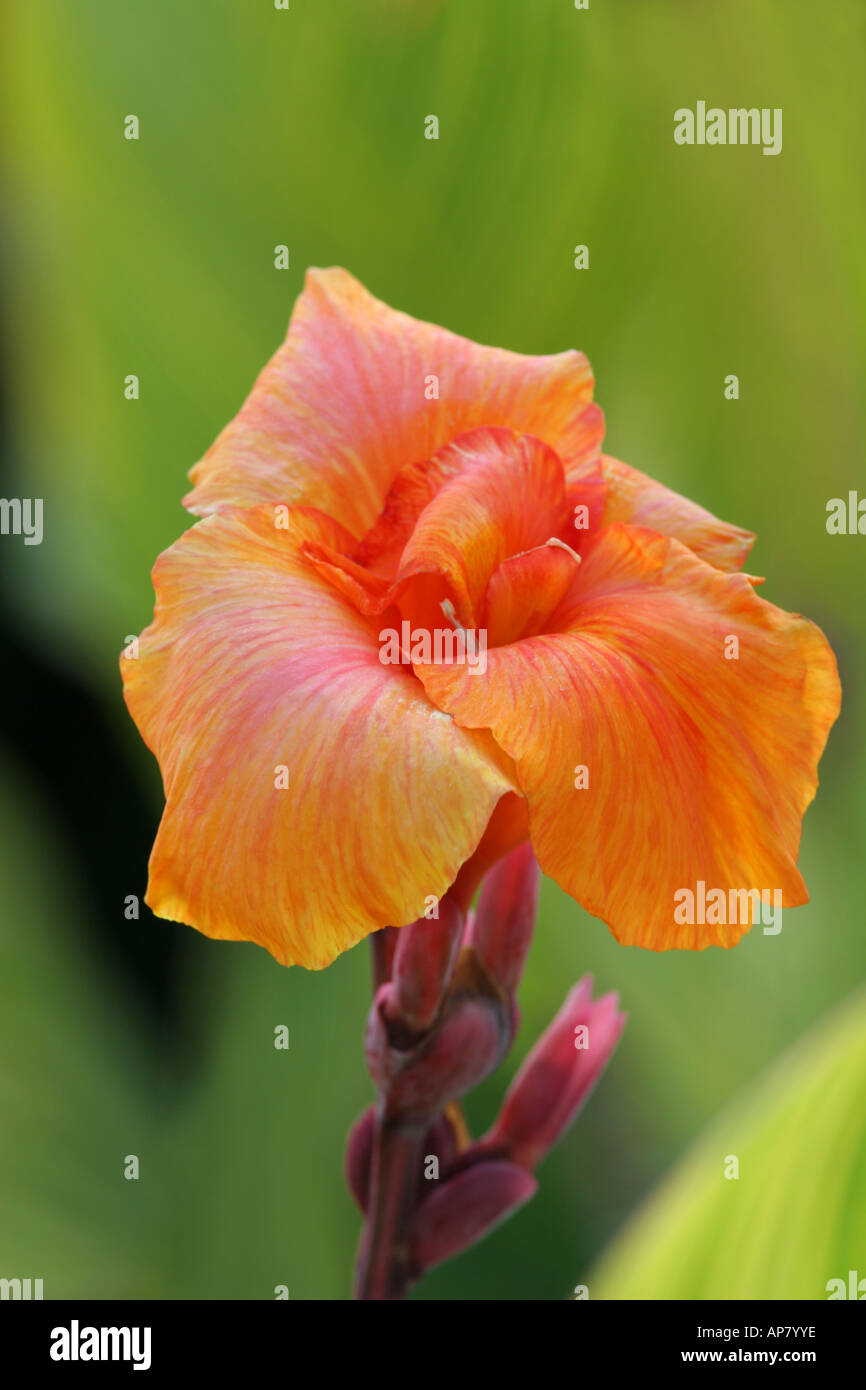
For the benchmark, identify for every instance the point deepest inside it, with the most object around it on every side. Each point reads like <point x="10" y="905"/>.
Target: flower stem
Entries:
<point x="384" y="1264"/>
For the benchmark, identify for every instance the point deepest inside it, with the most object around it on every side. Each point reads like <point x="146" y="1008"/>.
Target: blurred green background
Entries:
<point x="155" y="257"/>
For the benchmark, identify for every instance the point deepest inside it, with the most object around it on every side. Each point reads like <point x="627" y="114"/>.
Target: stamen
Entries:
<point x="448" y="609"/>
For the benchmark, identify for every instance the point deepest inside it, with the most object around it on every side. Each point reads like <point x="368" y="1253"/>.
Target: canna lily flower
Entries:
<point x="423" y="619"/>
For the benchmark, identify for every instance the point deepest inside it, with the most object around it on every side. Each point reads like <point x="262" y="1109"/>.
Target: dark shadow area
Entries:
<point x="54" y="732"/>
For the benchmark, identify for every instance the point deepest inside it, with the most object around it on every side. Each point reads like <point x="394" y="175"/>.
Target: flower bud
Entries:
<point x="442" y="1141"/>
<point x="359" y="1156"/>
<point x="556" y="1077"/>
<point x="418" y="1077"/>
<point x="423" y="964"/>
<point x="501" y="930"/>
<point x="463" y="1209"/>
<point x="466" y="1045"/>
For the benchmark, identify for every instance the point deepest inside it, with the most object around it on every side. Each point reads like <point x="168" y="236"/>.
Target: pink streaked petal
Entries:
<point x="525" y="590"/>
<point x="343" y="405"/>
<point x="255" y="663"/>
<point x="651" y="761"/>
<point x="507" y="496"/>
<point x="634" y="498"/>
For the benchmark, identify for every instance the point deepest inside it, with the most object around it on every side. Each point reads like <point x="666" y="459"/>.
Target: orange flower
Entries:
<point x="577" y="657"/>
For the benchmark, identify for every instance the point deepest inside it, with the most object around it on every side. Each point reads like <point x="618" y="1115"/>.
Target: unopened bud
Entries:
<point x="557" y="1076"/>
<point x="424" y="958"/>
<point x="501" y="930"/>
<point x="464" y="1209"/>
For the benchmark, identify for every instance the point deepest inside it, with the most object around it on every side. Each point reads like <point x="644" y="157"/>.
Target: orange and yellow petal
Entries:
<point x="698" y="763"/>
<point x="359" y="390"/>
<point x="507" y="495"/>
<point x="637" y="500"/>
<point x="313" y="794"/>
<point x="526" y="590"/>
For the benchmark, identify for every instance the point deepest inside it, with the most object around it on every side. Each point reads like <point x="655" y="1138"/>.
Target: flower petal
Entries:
<point x="525" y="590"/>
<point x="507" y="497"/>
<point x="343" y="405"/>
<point x="507" y="828"/>
<point x="699" y="767"/>
<point x="254" y="662"/>
<point x="634" y="498"/>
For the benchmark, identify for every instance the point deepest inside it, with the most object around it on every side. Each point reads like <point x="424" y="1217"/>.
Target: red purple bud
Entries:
<point x="359" y="1157"/>
<point x="464" y="1048"/>
<point x="422" y="967"/>
<point x="465" y="1208"/>
<point x="384" y="944"/>
<point x="557" y="1076"/>
<point x="501" y="930"/>
<point x="440" y="1142"/>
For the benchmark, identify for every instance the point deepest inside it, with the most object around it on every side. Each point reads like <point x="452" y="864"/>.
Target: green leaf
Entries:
<point x="73" y="1087"/>
<point x="795" y="1217"/>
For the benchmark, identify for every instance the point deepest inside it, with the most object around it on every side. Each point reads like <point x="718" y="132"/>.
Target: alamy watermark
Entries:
<point x="736" y="126"/>
<point x="77" y="1343"/>
<point x="717" y="907"/>
<point x="22" y="516"/>
<point x="846" y="518"/>
<point x="23" y="1289"/>
<point x="438" y="646"/>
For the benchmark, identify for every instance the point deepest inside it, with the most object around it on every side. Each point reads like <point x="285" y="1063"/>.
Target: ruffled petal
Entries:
<point x="638" y="500"/>
<point x="507" y="496"/>
<point x="256" y="673"/>
<point x="699" y="763"/>
<point x="525" y="590"/>
<point x="358" y="390"/>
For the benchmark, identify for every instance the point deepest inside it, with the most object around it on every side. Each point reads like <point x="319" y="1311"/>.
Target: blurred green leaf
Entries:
<point x="241" y="1185"/>
<point x="73" y="1088"/>
<point x="794" y="1218"/>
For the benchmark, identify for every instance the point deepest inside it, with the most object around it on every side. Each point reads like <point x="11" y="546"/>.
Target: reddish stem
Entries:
<point x="384" y="1264"/>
